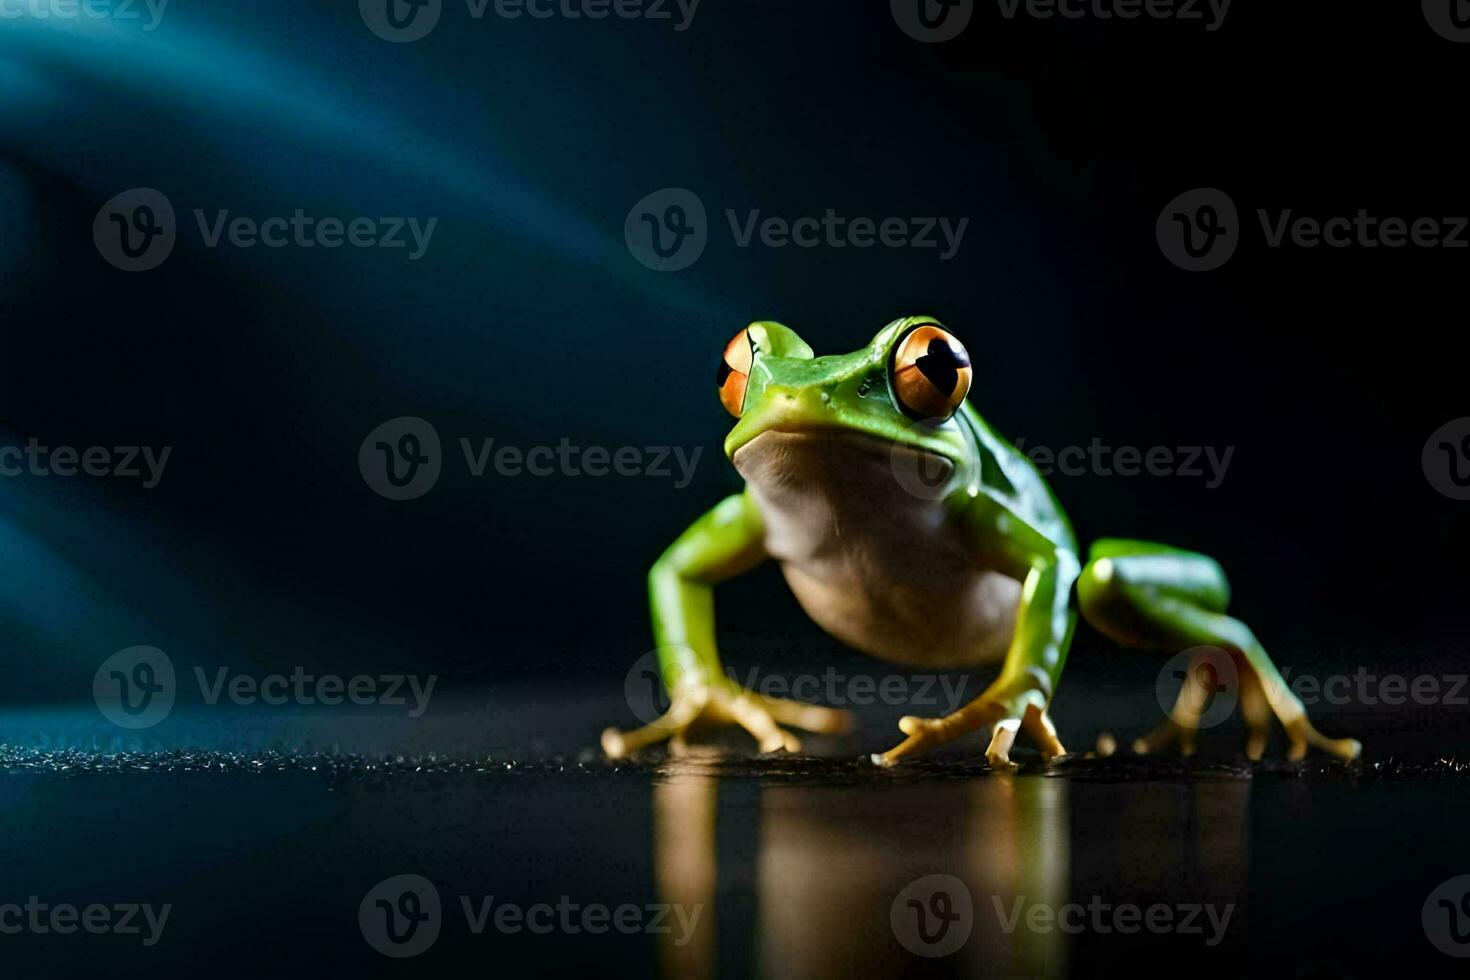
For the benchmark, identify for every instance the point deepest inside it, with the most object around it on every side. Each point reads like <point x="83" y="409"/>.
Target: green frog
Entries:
<point x="909" y="529"/>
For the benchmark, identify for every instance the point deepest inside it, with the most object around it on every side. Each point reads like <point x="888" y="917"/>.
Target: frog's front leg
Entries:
<point x="1157" y="597"/>
<point x="1018" y="698"/>
<point x="725" y="542"/>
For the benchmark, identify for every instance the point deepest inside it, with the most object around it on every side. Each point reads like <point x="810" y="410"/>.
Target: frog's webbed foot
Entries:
<point x="1258" y="709"/>
<point x="929" y="733"/>
<point x="700" y="706"/>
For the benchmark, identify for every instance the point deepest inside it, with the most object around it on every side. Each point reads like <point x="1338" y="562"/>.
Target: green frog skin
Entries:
<point x="974" y="564"/>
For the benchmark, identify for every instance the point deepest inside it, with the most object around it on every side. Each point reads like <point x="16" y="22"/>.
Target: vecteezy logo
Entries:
<point x="643" y="685"/>
<point x="1449" y="18"/>
<point x="400" y="916"/>
<point x="135" y="230"/>
<point x="134" y="688"/>
<point x="667" y="230"/>
<point x="932" y="21"/>
<point x="1446" y="459"/>
<point x="922" y="474"/>
<point x="1201" y="683"/>
<point x="1446" y="917"/>
<point x="933" y="916"/>
<point x="1199" y="230"/>
<point x="401" y="459"/>
<point x="400" y="21"/>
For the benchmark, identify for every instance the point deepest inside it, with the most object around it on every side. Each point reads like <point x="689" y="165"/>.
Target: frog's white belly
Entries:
<point x="877" y="567"/>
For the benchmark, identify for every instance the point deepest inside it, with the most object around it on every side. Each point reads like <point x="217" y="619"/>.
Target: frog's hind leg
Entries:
<point x="1152" y="596"/>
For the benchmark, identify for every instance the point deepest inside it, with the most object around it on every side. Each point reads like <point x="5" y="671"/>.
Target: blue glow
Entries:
<point x="214" y="79"/>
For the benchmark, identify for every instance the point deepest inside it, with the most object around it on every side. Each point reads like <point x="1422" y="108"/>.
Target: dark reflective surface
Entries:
<point x="796" y="867"/>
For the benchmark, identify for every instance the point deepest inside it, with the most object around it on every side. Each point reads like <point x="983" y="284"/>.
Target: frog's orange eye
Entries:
<point x="735" y="371"/>
<point x="931" y="373"/>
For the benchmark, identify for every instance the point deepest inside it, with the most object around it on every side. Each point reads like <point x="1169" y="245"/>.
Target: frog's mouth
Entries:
<point x="838" y="457"/>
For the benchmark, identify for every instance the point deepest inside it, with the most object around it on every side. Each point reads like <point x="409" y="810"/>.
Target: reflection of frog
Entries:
<point x="909" y="529"/>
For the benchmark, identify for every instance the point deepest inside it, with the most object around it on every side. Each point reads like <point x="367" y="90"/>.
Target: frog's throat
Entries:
<point x="887" y="434"/>
<point x="835" y="455"/>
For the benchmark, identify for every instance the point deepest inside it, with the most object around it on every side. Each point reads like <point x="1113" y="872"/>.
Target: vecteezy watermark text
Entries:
<point x="568" y="459"/>
<point x="1369" y="689"/>
<point x="669" y="229"/>
<point x="137" y="230"/>
<point x="1209" y="12"/>
<point x="34" y="459"/>
<point x="1200" y="230"/>
<point x="123" y="10"/>
<point x="402" y="21"/>
<point x="136" y="687"/>
<point x="933" y="916"/>
<point x="63" y="919"/>
<point x="1191" y="462"/>
<point x="402" y="916"/>
<point x="1101" y="917"/>
<point x="934" y="21"/>
<point x="307" y="231"/>
<point x="403" y="459"/>
<point x="310" y="689"/>
<point x="1205" y="682"/>
<point x="833" y="230"/>
<point x="570" y="918"/>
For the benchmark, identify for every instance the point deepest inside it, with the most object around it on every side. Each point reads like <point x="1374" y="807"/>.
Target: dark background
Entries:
<point x="529" y="321"/>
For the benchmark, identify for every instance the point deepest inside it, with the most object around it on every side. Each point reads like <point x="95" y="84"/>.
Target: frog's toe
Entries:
<point x="891" y="758"/>
<point x="925" y="734"/>
<point x="777" y="740"/>
<point x="809" y="717"/>
<point x="752" y="715"/>
<point x="613" y="745"/>
<point x="1302" y="735"/>
<point x="912" y="724"/>
<point x="998" y="754"/>
<point x="1167" y="734"/>
<point x="1039" y="728"/>
<point x="1255" y="743"/>
<point x="619" y="744"/>
<point x="1257" y="711"/>
<point x="687" y="705"/>
<point x="918" y="740"/>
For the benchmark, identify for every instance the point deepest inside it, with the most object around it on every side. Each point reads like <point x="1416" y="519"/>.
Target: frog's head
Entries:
<point x="901" y="391"/>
